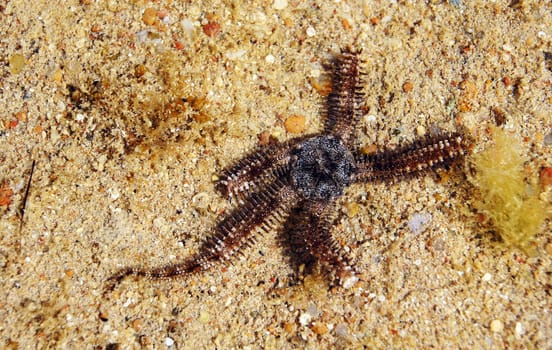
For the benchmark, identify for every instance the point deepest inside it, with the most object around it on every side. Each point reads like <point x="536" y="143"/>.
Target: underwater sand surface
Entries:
<point x="124" y="112"/>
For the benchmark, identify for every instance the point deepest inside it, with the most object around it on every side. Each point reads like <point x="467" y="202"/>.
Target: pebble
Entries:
<point x="6" y="194"/>
<point x="188" y="26"/>
<point x="311" y="31"/>
<point x="17" y="63"/>
<point x="548" y="138"/>
<point x="341" y="330"/>
<point x="234" y="55"/>
<point x="149" y="17"/>
<point x="519" y="330"/>
<point x="137" y="324"/>
<point x="279" y="4"/>
<point x="319" y="328"/>
<point x="212" y="29"/>
<point x="408" y="86"/>
<point x="350" y="281"/>
<point x="418" y="222"/>
<point x="497" y="326"/>
<point x="57" y="75"/>
<point x="269" y="59"/>
<point x="546" y="177"/>
<point x="295" y="124"/>
<point x="352" y="209"/>
<point x="305" y="318"/>
<point x="169" y="342"/>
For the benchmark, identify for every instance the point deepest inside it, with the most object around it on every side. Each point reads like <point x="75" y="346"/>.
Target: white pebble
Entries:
<point x="497" y="326"/>
<point x="519" y="330"/>
<point x="269" y="59"/>
<point x="311" y="31"/>
<point x="235" y="54"/>
<point x="188" y="26"/>
<point x="487" y="277"/>
<point x="350" y="281"/>
<point x="279" y="4"/>
<point x="507" y="47"/>
<point x="169" y="342"/>
<point x="305" y="318"/>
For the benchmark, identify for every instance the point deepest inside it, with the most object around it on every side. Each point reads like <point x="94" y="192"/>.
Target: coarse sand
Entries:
<point x="116" y="118"/>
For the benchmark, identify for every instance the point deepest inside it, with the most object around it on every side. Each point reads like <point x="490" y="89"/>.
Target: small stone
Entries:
<point x="57" y="75"/>
<point x="305" y="318"/>
<point x="418" y="222"/>
<point x="519" y="330"/>
<point x="546" y="177"/>
<point x="6" y="194"/>
<point x="497" y="326"/>
<point x="321" y="83"/>
<point x="137" y="324"/>
<point x="269" y="59"/>
<point x="295" y="124"/>
<point x="17" y="63"/>
<point x="169" y="342"/>
<point x="342" y="331"/>
<point x="421" y="130"/>
<point x="311" y="31"/>
<point x="352" y="209"/>
<point x="288" y="327"/>
<point x="149" y="17"/>
<point x="487" y="277"/>
<point x="319" y="328"/>
<point x="547" y="141"/>
<point x="279" y="4"/>
<point x="350" y="281"/>
<point x="408" y="86"/>
<point x="212" y="29"/>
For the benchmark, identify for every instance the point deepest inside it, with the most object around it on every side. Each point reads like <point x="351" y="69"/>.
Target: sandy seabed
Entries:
<point x="125" y="112"/>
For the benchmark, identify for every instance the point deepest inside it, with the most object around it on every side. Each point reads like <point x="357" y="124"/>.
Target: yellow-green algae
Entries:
<point x="505" y="197"/>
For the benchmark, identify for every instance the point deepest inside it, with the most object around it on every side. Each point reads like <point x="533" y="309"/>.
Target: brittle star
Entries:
<point x="311" y="173"/>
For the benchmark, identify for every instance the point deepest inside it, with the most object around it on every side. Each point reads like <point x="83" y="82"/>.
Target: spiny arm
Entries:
<point x="430" y="153"/>
<point x="320" y="243"/>
<point x="343" y="103"/>
<point x="260" y="212"/>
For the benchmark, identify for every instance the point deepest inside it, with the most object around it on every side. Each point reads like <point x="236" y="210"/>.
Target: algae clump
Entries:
<point x="511" y="203"/>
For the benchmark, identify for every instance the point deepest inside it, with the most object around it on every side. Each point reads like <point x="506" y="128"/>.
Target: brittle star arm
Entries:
<point x="430" y="153"/>
<point x="343" y="110"/>
<point x="260" y="212"/>
<point x="250" y="173"/>
<point x="320" y="243"/>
